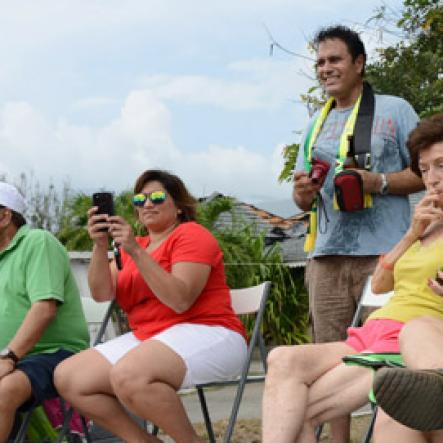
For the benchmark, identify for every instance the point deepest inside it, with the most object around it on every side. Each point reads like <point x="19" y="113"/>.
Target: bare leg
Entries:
<point x="146" y="380"/>
<point x="420" y="341"/>
<point x="435" y="436"/>
<point x="292" y="371"/>
<point x="387" y="430"/>
<point x="341" y="429"/>
<point x="15" y="389"/>
<point x="335" y="394"/>
<point x="84" y="381"/>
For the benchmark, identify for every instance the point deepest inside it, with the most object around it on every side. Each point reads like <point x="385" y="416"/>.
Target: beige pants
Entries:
<point x="335" y="284"/>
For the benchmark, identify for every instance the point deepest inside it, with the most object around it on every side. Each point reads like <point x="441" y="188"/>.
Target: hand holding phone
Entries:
<point x="105" y="203"/>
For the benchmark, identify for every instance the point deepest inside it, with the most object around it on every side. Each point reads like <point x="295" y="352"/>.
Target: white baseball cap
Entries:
<point x="11" y="198"/>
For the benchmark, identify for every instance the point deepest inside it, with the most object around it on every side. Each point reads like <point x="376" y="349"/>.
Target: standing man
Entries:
<point x="41" y="317"/>
<point x="344" y="245"/>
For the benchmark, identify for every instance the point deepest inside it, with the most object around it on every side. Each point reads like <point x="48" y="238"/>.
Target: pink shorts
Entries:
<point x="378" y="335"/>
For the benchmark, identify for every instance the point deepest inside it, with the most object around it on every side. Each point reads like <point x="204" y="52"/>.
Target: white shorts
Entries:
<point x="210" y="353"/>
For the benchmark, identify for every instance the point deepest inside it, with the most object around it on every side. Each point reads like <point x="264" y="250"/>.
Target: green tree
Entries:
<point x="249" y="262"/>
<point x="413" y="68"/>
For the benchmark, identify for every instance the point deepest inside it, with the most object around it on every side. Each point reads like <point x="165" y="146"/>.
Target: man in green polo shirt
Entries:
<point x="41" y="317"/>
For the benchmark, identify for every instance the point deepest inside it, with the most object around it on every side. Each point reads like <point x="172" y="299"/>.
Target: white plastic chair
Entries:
<point x="250" y="300"/>
<point x="369" y="300"/>
<point x="95" y="313"/>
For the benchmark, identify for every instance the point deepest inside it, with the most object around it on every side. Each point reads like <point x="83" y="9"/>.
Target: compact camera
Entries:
<point x="319" y="171"/>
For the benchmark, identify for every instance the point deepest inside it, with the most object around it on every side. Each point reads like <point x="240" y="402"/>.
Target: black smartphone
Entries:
<point x="438" y="279"/>
<point x="105" y="203"/>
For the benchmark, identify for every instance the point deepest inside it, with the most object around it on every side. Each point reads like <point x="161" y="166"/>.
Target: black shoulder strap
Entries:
<point x="363" y="128"/>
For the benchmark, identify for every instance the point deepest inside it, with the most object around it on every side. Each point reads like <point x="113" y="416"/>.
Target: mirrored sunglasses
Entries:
<point x="156" y="198"/>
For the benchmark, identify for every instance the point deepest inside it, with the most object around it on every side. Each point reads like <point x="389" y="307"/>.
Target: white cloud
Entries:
<point x="258" y="84"/>
<point x="113" y="155"/>
<point x="137" y="139"/>
<point x="92" y="103"/>
<point x="237" y="171"/>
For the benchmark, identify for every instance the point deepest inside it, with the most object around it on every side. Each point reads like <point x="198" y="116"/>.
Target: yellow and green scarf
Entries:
<point x="342" y="153"/>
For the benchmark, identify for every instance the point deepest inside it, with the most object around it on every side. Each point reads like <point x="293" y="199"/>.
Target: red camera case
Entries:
<point x="349" y="191"/>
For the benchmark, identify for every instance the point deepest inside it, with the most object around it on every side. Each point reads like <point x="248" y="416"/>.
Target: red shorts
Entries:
<point x="378" y="335"/>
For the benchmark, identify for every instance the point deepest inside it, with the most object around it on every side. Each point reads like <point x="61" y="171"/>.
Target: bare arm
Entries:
<point x="383" y="278"/>
<point x="424" y="215"/>
<point x="34" y="325"/>
<point x="177" y="289"/>
<point x="101" y="276"/>
<point x="28" y="334"/>
<point x="399" y="183"/>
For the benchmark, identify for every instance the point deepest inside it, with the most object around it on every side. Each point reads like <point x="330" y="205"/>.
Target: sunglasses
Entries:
<point x="156" y="198"/>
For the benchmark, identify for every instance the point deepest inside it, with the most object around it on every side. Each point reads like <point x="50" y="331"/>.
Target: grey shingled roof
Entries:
<point x="289" y="232"/>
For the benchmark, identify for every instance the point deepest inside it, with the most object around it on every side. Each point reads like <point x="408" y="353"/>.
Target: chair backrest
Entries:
<point x="249" y="300"/>
<point x="374" y="300"/>
<point x="370" y="300"/>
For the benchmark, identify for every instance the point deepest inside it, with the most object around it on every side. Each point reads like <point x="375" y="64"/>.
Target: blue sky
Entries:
<point x="96" y="91"/>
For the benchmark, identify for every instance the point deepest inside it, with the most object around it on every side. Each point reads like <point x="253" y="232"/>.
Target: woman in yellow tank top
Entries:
<point x="308" y="385"/>
<point x="413" y="270"/>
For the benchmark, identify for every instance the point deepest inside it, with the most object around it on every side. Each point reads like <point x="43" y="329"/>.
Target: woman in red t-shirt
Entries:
<point x="184" y="332"/>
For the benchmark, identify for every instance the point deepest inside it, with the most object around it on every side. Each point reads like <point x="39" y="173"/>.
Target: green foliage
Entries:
<point x="73" y="232"/>
<point x="290" y="157"/>
<point x="413" y="68"/>
<point x="208" y="213"/>
<point x="40" y="429"/>
<point x="249" y="262"/>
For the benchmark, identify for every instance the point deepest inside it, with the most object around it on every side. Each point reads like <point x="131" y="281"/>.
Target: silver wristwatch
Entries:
<point x="8" y="354"/>
<point x="384" y="184"/>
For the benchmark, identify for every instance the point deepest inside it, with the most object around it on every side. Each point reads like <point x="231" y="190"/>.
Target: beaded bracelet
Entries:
<point x="384" y="265"/>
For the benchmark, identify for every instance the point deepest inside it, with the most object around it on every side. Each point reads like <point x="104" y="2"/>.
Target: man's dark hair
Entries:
<point x="175" y="188"/>
<point x="351" y="39"/>
<point x="428" y="132"/>
<point x="17" y="219"/>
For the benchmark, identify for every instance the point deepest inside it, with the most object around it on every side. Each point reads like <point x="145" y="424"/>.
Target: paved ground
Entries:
<point x="220" y="401"/>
